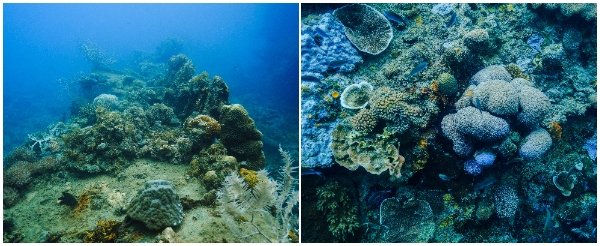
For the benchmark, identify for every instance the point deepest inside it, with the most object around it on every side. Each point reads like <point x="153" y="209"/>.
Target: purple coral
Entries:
<point x="592" y="147"/>
<point x="472" y="167"/>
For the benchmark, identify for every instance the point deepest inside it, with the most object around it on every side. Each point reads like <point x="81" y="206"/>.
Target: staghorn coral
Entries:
<point x="265" y="210"/>
<point x="365" y="27"/>
<point x="107" y="231"/>
<point x="364" y="121"/>
<point x="157" y="205"/>
<point x="356" y="96"/>
<point x="242" y="139"/>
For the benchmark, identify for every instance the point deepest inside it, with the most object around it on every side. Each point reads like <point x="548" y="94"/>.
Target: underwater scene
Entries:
<point x="449" y="123"/>
<point x="151" y="123"/>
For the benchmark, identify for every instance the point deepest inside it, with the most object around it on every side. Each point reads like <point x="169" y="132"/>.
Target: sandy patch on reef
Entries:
<point x="39" y="212"/>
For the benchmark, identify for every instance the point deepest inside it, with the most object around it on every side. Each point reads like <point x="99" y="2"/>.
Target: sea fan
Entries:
<point x="266" y="209"/>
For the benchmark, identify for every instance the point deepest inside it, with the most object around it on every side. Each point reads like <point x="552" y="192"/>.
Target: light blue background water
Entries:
<point x="41" y="46"/>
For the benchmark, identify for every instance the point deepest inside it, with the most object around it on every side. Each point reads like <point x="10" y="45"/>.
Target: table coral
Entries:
<point x="365" y="27"/>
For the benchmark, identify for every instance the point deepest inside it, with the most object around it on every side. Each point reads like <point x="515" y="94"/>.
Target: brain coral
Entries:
<point x="447" y="84"/>
<point x="470" y="123"/>
<point x="497" y="96"/>
<point x="534" y="105"/>
<point x="480" y="125"/>
<point x="238" y="134"/>
<point x="365" y="27"/>
<point x="157" y="205"/>
<point x="356" y="96"/>
<point x="536" y="144"/>
<point x="494" y="72"/>
<point x="364" y="121"/>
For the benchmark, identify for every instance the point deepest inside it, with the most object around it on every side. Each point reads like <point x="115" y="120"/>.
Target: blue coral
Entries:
<point x="325" y="47"/>
<point x="485" y="158"/>
<point x="591" y="146"/>
<point x="472" y="167"/>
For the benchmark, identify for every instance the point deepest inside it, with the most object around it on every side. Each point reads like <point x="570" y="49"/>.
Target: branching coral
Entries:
<point x="107" y="231"/>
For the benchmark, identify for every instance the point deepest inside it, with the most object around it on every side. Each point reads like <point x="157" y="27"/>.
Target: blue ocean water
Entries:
<point x="253" y="47"/>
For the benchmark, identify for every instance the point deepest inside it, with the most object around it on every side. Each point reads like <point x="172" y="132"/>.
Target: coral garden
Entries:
<point x="471" y="123"/>
<point x="145" y="157"/>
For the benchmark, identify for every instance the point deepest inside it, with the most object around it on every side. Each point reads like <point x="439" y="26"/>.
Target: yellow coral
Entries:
<point x="209" y="125"/>
<point x="250" y="177"/>
<point x="105" y="232"/>
<point x="419" y="20"/>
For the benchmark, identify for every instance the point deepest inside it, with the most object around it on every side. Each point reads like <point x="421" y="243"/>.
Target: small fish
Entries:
<point x="393" y="17"/>
<point x="452" y="19"/>
<point x="514" y="160"/>
<point x="548" y="219"/>
<point x="445" y="177"/>
<point x="418" y="69"/>
<point x="337" y="63"/>
<point x="376" y="197"/>
<point x="478" y="104"/>
<point x="321" y="32"/>
<point x="313" y="172"/>
<point x="485" y="183"/>
<point x="310" y="78"/>
<point x="67" y="199"/>
<point x="216" y="140"/>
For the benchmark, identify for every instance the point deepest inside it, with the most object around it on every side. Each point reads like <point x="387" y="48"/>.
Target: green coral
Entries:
<point x="447" y="84"/>
<point x="339" y="208"/>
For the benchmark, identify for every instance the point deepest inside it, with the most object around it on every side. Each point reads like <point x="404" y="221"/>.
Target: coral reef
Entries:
<point x="365" y="27"/>
<point x="240" y="136"/>
<point x="157" y="205"/>
<point x="495" y="72"/>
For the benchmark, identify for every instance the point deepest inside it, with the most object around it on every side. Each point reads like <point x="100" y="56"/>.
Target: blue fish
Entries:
<point x="321" y="32"/>
<point x="445" y="177"/>
<point x="337" y="63"/>
<point x="394" y="17"/>
<point x="452" y="19"/>
<point x="376" y="197"/>
<point x="418" y="69"/>
<point x="310" y="78"/>
<point x="478" y="104"/>
<point x="313" y="172"/>
<point x="485" y="183"/>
